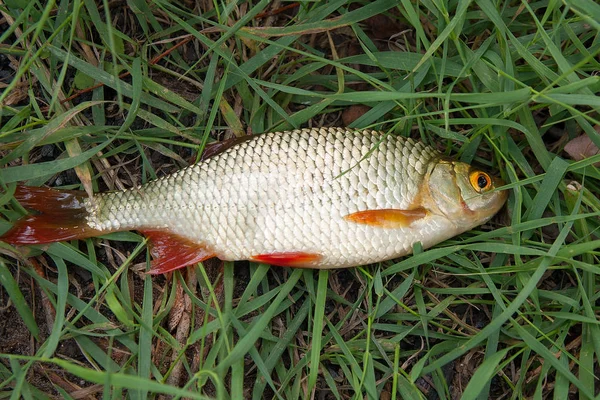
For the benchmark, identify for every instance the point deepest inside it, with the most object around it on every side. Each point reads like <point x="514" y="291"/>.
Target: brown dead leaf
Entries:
<point x="17" y="94"/>
<point x="178" y="308"/>
<point x="353" y="113"/>
<point x="581" y="148"/>
<point x="183" y="329"/>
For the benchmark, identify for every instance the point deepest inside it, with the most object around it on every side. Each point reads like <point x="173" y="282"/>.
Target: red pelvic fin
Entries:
<point x="387" y="218"/>
<point x="62" y="216"/>
<point x="171" y="251"/>
<point x="295" y="259"/>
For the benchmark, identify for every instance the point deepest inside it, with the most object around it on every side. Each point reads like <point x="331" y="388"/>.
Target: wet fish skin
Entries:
<point x="319" y="198"/>
<point x="289" y="192"/>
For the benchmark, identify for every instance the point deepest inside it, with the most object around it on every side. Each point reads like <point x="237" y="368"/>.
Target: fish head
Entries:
<point x="465" y="195"/>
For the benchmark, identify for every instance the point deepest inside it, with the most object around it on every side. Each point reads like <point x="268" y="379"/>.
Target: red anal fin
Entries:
<point x="295" y="259"/>
<point x="62" y="217"/>
<point x="387" y="218"/>
<point x="171" y="251"/>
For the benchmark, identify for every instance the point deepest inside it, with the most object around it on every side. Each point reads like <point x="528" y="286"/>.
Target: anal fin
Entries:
<point x="171" y="251"/>
<point x="387" y="218"/>
<point x="294" y="259"/>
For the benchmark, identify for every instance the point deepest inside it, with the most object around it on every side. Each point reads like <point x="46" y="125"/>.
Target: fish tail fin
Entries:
<point x="61" y="215"/>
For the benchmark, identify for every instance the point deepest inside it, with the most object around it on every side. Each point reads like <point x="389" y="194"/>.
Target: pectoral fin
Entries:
<point x="387" y="218"/>
<point x="170" y="251"/>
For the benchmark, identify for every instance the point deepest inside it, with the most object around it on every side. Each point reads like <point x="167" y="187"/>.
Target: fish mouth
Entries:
<point x="497" y="200"/>
<point x="503" y="193"/>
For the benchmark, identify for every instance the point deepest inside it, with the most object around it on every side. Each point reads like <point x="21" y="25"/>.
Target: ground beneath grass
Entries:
<point x="100" y="95"/>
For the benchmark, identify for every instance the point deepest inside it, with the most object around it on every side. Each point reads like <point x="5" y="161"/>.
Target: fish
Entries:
<point x="318" y="198"/>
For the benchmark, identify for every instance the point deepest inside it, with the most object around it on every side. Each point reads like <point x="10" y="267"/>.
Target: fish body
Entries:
<point x="320" y="198"/>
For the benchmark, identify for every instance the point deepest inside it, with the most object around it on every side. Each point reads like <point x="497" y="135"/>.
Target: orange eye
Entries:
<point x="480" y="181"/>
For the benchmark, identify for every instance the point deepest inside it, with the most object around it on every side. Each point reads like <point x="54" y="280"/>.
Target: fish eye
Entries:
<point x="480" y="181"/>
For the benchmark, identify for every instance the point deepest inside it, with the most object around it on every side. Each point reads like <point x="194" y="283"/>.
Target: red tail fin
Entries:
<point x="62" y="216"/>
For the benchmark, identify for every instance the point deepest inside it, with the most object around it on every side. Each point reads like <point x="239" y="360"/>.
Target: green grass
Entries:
<point x="508" y="310"/>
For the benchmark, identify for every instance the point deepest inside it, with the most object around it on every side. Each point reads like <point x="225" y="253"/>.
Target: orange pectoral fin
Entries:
<point x="387" y="218"/>
<point x="294" y="259"/>
<point x="171" y="251"/>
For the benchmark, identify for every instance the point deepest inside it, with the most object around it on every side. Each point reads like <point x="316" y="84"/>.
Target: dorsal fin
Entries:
<point x="212" y="149"/>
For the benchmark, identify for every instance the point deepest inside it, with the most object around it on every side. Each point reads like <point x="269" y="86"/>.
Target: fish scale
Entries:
<point x="282" y="192"/>
<point x="322" y="198"/>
